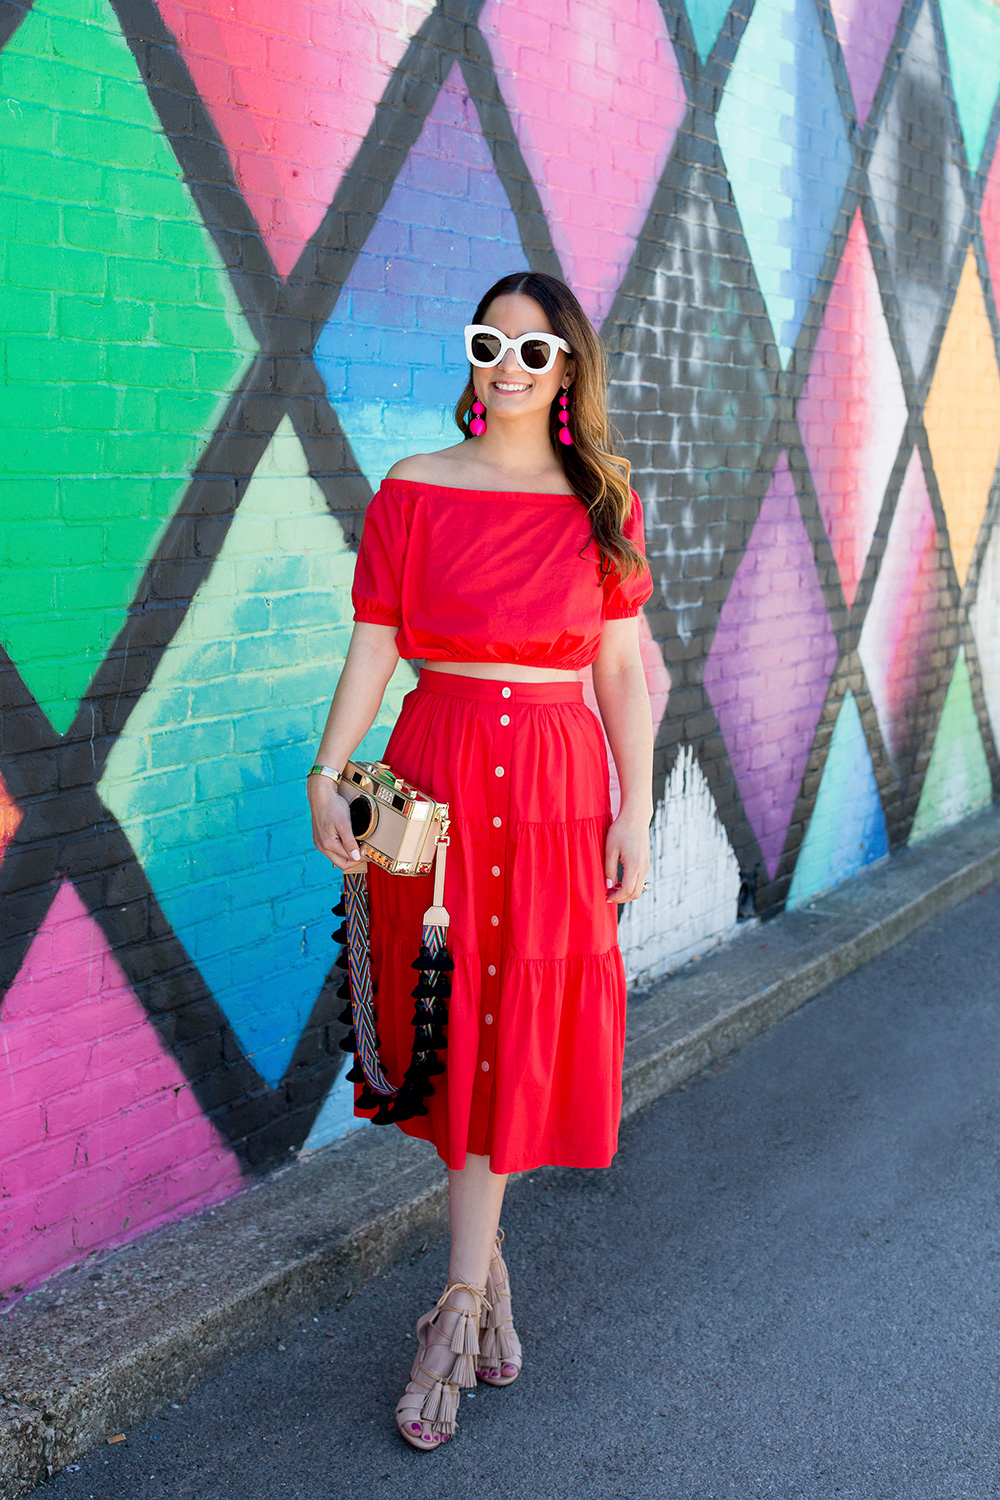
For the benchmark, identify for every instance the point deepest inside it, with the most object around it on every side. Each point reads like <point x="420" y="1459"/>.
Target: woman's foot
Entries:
<point x="500" y="1357"/>
<point x="447" y="1350"/>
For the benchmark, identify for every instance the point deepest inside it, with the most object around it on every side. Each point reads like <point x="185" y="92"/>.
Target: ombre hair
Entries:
<point x="596" y="473"/>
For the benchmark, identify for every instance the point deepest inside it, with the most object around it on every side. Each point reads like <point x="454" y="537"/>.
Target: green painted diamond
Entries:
<point x="120" y="337"/>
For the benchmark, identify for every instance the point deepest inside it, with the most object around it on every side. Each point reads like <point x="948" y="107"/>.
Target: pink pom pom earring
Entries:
<point x="565" y="436"/>
<point x="477" y="426"/>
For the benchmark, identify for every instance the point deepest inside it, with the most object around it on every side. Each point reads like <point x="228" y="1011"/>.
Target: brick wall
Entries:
<point x="239" y="245"/>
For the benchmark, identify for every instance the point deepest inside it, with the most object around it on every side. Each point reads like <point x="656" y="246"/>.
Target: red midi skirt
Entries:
<point x="536" y="1019"/>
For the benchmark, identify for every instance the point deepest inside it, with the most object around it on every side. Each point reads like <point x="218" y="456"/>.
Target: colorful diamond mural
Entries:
<point x="694" y="879"/>
<point x="394" y="362"/>
<point x="866" y="29"/>
<point x="770" y="663"/>
<point x="129" y="365"/>
<point x="93" y="1107"/>
<point x="904" y="624"/>
<point x="958" y="777"/>
<point x="596" y="98"/>
<point x="691" y="396"/>
<point x="847" y="829"/>
<point x="207" y="777"/>
<point x="852" y="410"/>
<point x="336" y="1117"/>
<point x="124" y="341"/>
<point x="917" y="187"/>
<point x="972" y="36"/>
<point x="292" y="94"/>
<point x="989" y="218"/>
<point x="780" y="127"/>
<point x="706" y="17"/>
<point x="985" y="620"/>
<point x="962" y="417"/>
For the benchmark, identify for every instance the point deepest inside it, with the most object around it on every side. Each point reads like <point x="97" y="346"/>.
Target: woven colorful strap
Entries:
<point x="435" y="938"/>
<point x="359" y="964"/>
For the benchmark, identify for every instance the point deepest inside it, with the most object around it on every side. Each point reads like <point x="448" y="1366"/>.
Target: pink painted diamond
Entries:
<point x="596" y="98"/>
<point x="853" y="410"/>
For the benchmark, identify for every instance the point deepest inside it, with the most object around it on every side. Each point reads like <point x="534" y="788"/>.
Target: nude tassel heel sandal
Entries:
<point x="500" y="1356"/>
<point x="432" y="1400"/>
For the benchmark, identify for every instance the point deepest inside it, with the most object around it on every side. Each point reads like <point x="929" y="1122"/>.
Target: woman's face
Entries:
<point x="507" y="389"/>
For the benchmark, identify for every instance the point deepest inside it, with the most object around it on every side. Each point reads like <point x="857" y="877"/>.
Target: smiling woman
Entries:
<point x="507" y="564"/>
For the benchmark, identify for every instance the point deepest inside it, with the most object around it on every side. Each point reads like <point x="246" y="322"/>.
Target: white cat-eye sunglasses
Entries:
<point x="534" y="352"/>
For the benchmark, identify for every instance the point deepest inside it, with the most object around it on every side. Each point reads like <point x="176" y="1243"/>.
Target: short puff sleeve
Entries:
<point x="378" y="571"/>
<point x="624" y="597"/>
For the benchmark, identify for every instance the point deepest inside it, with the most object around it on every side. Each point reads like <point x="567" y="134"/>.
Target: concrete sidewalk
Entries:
<point x="783" y="1288"/>
<point x="105" y="1344"/>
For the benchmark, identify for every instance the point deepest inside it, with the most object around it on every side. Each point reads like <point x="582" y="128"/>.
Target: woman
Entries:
<point x="508" y="564"/>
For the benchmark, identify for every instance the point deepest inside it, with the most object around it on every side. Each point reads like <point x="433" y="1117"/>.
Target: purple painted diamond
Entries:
<point x="770" y="664"/>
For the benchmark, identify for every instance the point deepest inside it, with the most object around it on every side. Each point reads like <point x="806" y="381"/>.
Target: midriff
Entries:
<point x="502" y="671"/>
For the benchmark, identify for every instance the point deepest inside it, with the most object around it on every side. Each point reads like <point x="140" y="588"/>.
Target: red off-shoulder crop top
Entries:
<point x="477" y="575"/>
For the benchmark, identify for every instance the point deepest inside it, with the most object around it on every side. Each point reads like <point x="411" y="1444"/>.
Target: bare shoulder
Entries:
<point x="414" y="467"/>
<point x="425" y="468"/>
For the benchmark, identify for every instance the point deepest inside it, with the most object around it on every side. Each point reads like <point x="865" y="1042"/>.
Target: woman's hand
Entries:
<point x="627" y="844"/>
<point x="331" y="825"/>
<point x="371" y="658"/>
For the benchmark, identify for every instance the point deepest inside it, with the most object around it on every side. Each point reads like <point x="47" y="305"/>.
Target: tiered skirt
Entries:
<point x="536" y="1018"/>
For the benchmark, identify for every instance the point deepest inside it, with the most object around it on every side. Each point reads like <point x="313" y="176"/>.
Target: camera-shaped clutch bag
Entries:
<point x="396" y="826"/>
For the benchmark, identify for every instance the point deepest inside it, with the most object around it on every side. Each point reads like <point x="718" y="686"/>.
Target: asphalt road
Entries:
<point x="786" y="1285"/>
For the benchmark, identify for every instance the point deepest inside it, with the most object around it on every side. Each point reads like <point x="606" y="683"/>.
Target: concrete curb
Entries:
<point x="107" y="1343"/>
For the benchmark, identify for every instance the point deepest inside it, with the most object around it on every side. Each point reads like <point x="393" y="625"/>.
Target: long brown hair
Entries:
<point x="595" y="472"/>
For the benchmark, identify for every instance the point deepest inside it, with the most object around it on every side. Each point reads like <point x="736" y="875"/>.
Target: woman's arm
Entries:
<point x="622" y="697"/>
<point x="371" y="661"/>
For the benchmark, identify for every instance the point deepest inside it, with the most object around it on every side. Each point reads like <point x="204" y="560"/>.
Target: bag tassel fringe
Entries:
<point x="431" y="994"/>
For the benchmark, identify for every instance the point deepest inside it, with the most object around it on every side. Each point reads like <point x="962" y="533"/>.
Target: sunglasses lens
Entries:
<point x="535" y="354"/>
<point x="485" y="348"/>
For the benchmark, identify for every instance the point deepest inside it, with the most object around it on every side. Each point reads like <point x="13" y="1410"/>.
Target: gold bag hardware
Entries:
<point x="397" y="827"/>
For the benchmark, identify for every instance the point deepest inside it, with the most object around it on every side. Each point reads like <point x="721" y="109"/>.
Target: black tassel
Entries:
<point x="429" y="1017"/>
<point x="340" y="910"/>
<point x="406" y="1107"/>
<point x="346" y="1017"/>
<point x="440" y="962"/>
<point x="421" y="1085"/>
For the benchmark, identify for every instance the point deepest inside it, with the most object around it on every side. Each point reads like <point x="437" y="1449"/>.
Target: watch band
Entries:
<point x="328" y="771"/>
